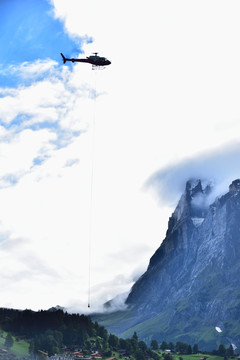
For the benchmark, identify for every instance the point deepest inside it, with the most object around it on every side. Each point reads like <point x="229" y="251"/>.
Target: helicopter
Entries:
<point x="94" y="59"/>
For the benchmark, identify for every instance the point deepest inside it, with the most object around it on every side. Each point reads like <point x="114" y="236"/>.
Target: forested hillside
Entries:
<point x="50" y="330"/>
<point x="57" y="332"/>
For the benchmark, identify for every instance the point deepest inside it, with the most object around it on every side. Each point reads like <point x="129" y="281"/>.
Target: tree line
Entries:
<point x="54" y="331"/>
<point x="184" y="348"/>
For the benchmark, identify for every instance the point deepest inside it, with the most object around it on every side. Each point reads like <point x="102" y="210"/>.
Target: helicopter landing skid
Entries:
<point x="98" y="67"/>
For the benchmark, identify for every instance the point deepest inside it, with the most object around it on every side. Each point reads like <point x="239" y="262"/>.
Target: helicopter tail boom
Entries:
<point x="64" y="59"/>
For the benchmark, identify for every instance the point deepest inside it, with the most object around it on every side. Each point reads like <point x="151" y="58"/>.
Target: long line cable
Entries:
<point x="92" y="190"/>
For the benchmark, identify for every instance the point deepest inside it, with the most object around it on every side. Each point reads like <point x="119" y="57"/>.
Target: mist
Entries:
<point x="218" y="167"/>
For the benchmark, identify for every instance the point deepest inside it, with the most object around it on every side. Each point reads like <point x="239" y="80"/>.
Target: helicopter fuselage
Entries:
<point x="94" y="60"/>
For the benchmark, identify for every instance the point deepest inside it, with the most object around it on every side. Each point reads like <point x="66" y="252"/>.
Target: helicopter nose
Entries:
<point x="109" y="62"/>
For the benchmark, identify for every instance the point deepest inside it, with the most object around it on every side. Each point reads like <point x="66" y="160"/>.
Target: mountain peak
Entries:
<point x="198" y="186"/>
<point x="56" y="308"/>
<point x="234" y="187"/>
<point x="192" y="204"/>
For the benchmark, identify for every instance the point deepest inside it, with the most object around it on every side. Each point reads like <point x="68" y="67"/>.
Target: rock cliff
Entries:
<point x="192" y="283"/>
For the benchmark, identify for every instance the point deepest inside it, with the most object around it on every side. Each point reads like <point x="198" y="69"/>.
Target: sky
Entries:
<point x="93" y="162"/>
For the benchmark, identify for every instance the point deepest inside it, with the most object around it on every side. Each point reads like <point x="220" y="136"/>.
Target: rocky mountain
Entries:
<point x="191" y="289"/>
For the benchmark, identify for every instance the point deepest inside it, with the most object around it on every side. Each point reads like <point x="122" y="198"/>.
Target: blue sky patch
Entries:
<point x="39" y="160"/>
<point x="30" y="32"/>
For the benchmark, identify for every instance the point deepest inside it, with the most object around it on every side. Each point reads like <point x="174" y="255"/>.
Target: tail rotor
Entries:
<point x="64" y="59"/>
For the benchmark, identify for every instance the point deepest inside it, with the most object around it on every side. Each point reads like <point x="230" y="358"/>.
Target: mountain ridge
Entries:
<point x="191" y="284"/>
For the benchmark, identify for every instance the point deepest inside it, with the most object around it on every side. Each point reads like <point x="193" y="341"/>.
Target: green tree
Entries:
<point x="50" y="341"/>
<point x="99" y="343"/>
<point x="195" y="348"/>
<point x="48" y="344"/>
<point x="134" y="342"/>
<point x="153" y="355"/>
<point x="31" y="347"/>
<point x="164" y="345"/>
<point x="189" y="349"/>
<point x="221" y="350"/>
<point x="85" y="352"/>
<point x="181" y="347"/>
<point x="135" y="337"/>
<point x="142" y="345"/>
<point x="107" y="353"/>
<point x="122" y="344"/>
<point x="230" y="351"/>
<point x="154" y="345"/>
<point x="113" y="341"/>
<point x="128" y="347"/>
<point x="168" y="357"/>
<point x="171" y="346"/>
<point x="139" y="355"/>
<point x="8" y="341"/>
<point x="102" y="332"/>
<point x="88" y="345"/>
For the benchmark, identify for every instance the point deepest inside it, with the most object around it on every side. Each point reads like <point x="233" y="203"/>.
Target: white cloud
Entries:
<point x="18" y="152"/>
<point x="34" y="101"/>
<point x="30" y="70"/>
<point x="219" y="166"/>
<point x="56" y="99"/>
<point x="37" y="68"/>
<point x="172" y="91"/>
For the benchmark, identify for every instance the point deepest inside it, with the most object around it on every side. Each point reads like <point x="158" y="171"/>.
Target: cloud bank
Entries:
<point x="220" y="166"/>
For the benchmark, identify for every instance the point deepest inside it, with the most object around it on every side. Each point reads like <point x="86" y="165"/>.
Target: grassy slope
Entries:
<point x="20" y="348"/>
<point x="192" y="332"/>
<point x="184" y="357"/>
<point x="206" y="337"/>
<point x="197" y="357"/>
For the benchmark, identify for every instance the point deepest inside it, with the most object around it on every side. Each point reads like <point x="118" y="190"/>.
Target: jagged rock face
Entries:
<point x="172" y="264"/>
<point x="192" y="281"/>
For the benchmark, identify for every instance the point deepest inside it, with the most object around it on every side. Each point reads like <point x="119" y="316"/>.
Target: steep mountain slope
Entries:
<point x="192" y="283"/>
